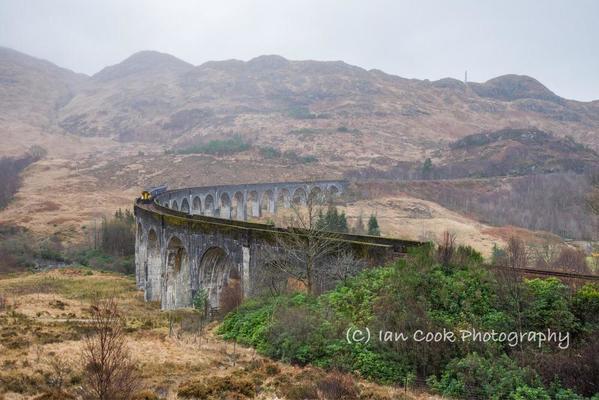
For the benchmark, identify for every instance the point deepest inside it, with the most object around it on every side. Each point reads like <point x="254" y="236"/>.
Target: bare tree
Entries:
<point x="343" y="266"/>
<point x="543" y="255"/>
<point x="510" y="279"/>
<point x="570" y="259"/>
<point x="446" y="249"/>
<point x="517" y="258"/>
<point x="305" y="246"/>
<point x="61" y="370"/>
<point x="109" y="372"/>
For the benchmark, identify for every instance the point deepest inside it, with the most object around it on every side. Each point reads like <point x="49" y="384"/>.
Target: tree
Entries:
<point x="343" y="266"/>
<point x="306" y="245"/>
<point x="332" y="220"/>
<point x="373" y="226"/>
<point x="427" y="168"/>
<point x="200" y="305"/>
<point x="592" y="201"/>
<point x="359" y="227"/>
<point x="118" y="234"/>
<point x="446" y="249"/>
<point x="510" y="278"/>
<point x="109" y="372"/>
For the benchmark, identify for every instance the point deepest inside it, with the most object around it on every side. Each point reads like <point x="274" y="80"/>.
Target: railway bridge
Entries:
<point x="199" y="238"/>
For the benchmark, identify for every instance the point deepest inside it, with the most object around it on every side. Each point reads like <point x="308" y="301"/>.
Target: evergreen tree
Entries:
<point x="342" y="223"/>
<point x="332" y="221"/>
<point x="359" y="227"/>
<point x="427" y="168"/>
<point x="373" y="226"/>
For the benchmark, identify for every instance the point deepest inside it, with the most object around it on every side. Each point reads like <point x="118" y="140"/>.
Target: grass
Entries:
<point x="72" y="283"/>
<point x="44" y="321"/>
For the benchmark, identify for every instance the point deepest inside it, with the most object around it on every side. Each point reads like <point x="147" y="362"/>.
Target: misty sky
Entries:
<point x="556" y="42"/>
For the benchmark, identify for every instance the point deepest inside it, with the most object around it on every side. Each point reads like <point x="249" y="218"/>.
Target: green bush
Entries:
<point x="468" y="254"/>
<point x="294" y="157"/>
<point x="475" y="377"/>
<point x="585" y="305"/>
<point x="549" y="306"/>
<point x="236" y="144"/>
<point x="270" y="152"/>
<point x="301" y="112"/>
<point x="529" y="393"/>
<point x="418" y="293"/>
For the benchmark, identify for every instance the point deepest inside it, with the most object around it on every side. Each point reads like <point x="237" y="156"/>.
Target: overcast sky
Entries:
<point x="556" y="42"/>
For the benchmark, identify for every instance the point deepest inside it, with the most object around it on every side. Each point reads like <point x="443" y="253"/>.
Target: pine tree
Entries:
<point x="427" y="168"/>
<point x="359" y="227"/>
<point x="373" y="226"/>
<point x="342" y="223"/>
<point x="332" y="221"/>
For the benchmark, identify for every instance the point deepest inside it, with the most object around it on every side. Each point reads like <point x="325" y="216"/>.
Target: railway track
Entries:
<point x="544" y="272"/>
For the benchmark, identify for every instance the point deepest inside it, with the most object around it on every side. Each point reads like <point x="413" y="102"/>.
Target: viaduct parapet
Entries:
<point x="240" y="201"/>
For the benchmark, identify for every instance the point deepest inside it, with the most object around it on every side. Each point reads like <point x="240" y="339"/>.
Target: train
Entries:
<point x="148" y="194"/>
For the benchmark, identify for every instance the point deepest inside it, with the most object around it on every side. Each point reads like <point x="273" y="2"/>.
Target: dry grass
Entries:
<point x="45" y="321"/>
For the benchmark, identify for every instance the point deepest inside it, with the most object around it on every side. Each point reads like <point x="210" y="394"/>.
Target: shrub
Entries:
<point x="270" y="152"/>
<point x="446" y="249"/>
<point x="118" y="234"/>
<point x="231" y="296"/>
<point x="20" y="382"/>
<point x="231" y="145"/>
<point x="55" y="395"/>
<point x="145" y="395"/>
<point x="294" y="157"/>
<point x="571" y="260"/>
<point x="575" y="368"/>
<point x="301" y="112"/>
<point x="16" y="251"/>
<point x="549" y="306"/>
<point x="419" y="293"/>
<point x="585" y="305"/>
<point x="217" y="386"/>
<point x="467" y="254"/>
<point x="474" y="377"/>
<point x="109" y="372"/>
<point x="530" y="393"/>
<point x="299" y="391"/>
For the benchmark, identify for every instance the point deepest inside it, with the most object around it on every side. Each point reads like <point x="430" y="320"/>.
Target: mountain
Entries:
<point x="34" y="90"/>
<point x="514" y="87"/>
<point x="144" y="65"/>
<point x="271" y="101"/>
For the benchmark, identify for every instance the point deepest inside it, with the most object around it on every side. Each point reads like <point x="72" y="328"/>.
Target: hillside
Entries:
<point x="154" y="97"/>
<point x="517" y="152"/>
<point x="33" y="90"/>
<point x="506" y="152"/>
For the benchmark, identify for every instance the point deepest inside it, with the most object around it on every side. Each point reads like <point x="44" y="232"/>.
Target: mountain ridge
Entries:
<point x="156" y="97"/>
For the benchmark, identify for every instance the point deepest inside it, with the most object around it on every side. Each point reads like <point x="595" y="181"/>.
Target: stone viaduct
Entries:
<point x="199" y="238"/>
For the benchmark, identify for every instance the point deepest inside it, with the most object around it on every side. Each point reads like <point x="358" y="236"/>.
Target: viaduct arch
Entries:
<point x="195" y="239"/>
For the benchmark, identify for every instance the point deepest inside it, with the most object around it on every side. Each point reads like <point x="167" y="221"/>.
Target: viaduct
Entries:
<point x="199" y="238"/>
